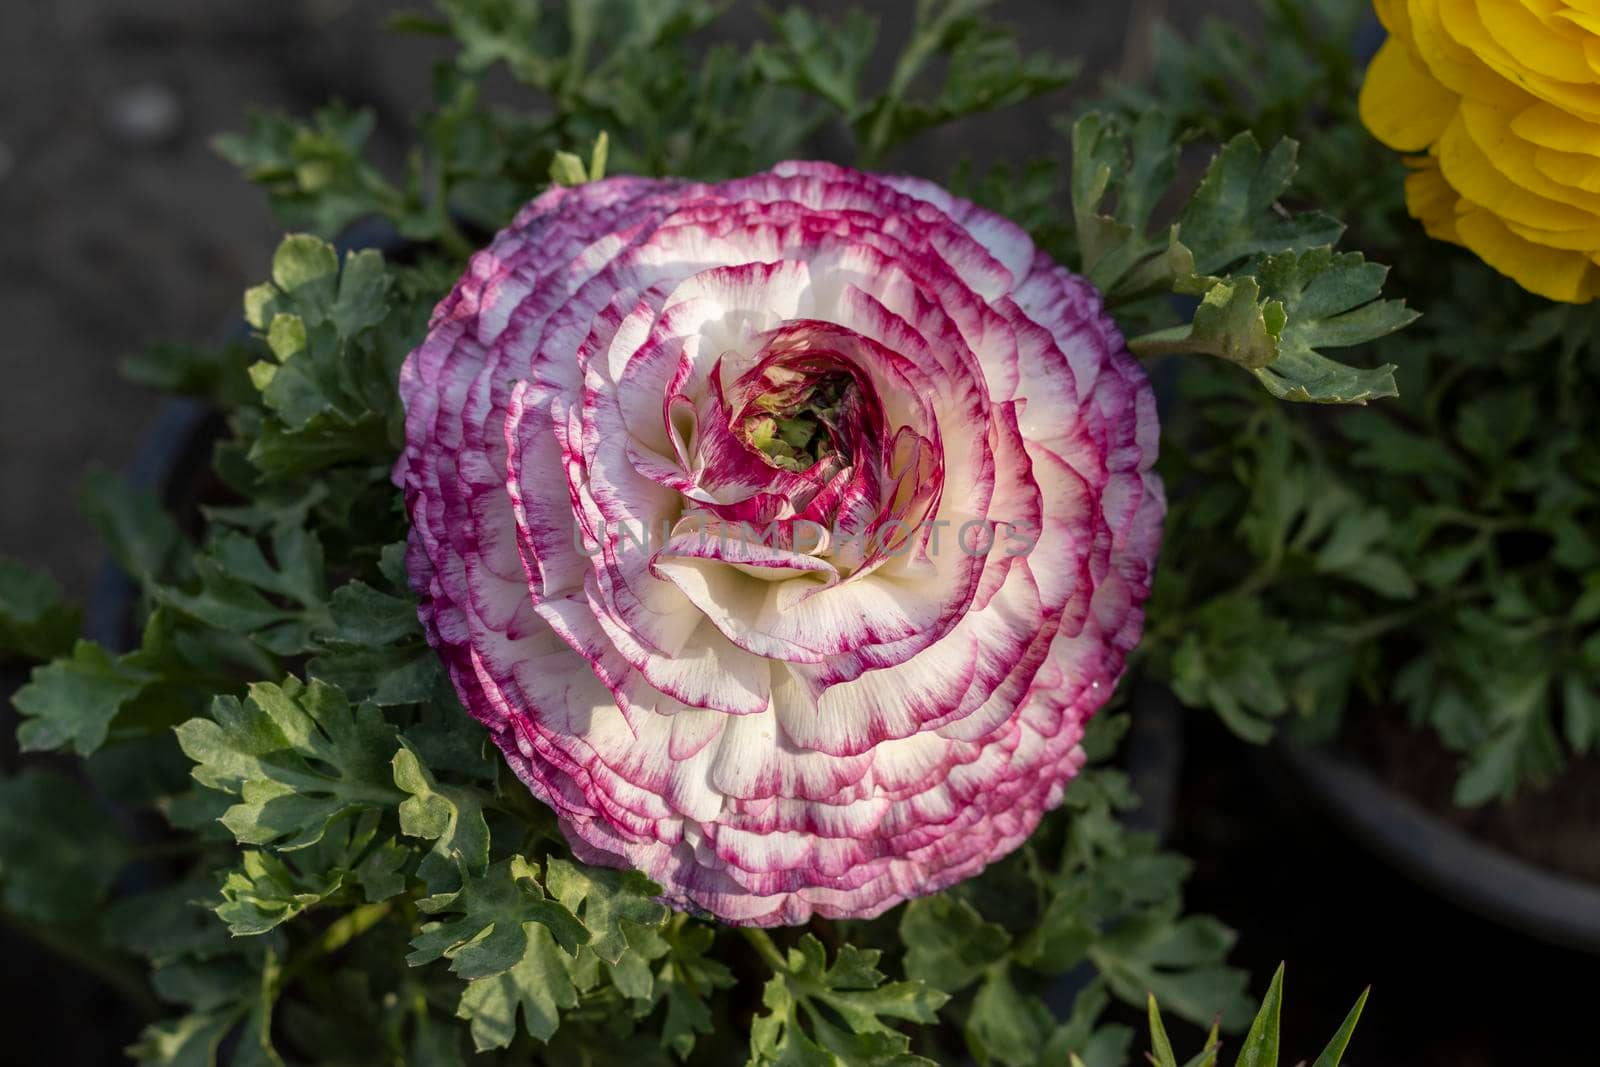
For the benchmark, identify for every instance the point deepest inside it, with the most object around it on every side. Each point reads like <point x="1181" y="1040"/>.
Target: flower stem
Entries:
<point x="764" y="947"/>
<point x="338" y="934"/>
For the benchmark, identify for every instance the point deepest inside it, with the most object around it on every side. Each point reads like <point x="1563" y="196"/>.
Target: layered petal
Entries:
<point x="1504" y="99"/>
<point x="783" y="533"/>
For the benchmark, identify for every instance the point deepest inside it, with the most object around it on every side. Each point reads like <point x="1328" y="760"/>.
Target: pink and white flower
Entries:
<point x="785" y="532"/>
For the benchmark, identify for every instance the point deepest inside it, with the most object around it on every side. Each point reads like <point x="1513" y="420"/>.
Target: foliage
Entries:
<point x="1260" y="1045"/>
<point x="347" y="873"/>
<point x="1433" y="556"/>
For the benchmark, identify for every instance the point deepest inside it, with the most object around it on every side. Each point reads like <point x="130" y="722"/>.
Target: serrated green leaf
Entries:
<point x="298" y="757"/>
<point x="364" y="616"/>
<point x="1008" y="1026"/>
<point x="35" y="620"/>
<point x="497" y="913"/>
<point x="948" y="944"/>
<point x="1273" y="322"/>
<point x="72" y="701"/>
<point x="450" y="816"/>
<point x="1134" y="166"/>
<point x="536" y="987"/>
<point x="686" y="979"/>
<point x="143" y="539"/>
<point x="265" y="892"/>
<point x="59" y="850"/>
<point x="824" y="59"/>
<point x="1331" y="302"/>
<point x="852" y="992"/>
<point x="1177" y="960"/>
<point x="1230" y="217"/>
<point x="603" y="897"/>
<point x="167" y="923"/>
<point x="304" y="261"/>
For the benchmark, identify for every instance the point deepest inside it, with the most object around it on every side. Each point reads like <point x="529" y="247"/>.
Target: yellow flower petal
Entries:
<point x="1490" y="129"/>
<point x="1549" y="127"/>
<point x="1401" y="103"/>
<point x="1394" y="16"/>
<point x="1431" y="201"/>
<point x="1569" y="168"/>
<point x="1505" y="97"/>
<point x="1531" y="45"/>
<point x="1469" y="170"/>
<point x="1456" y="67"/>
<point x="1588" y="20"/>
<point x="1460" y="21"/>
<point x="1585" y="241"/>
<point x="1565" y="276"/>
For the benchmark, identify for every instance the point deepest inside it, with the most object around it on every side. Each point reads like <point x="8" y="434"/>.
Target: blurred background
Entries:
<point x="122" y="227"/>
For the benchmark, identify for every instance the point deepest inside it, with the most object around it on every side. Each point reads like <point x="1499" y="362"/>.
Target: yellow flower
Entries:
<point x="1503" y="96"/>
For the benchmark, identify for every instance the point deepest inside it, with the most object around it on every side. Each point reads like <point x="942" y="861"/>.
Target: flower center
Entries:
<point x="797" y="422"/>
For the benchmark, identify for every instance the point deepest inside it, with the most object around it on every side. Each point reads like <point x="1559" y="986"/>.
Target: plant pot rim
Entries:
<point x="1552" y="906"/>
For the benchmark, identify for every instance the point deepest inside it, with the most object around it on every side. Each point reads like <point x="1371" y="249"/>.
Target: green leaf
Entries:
<point x="1179" y="961"/>
<point x="143" y="538"/>
<point x="1232" y="322"/>
<point x="537" y="987"/>
<point x="1341" y="1040"/>
<point x="1521" y="742"/>
<point x="1260" y="1048"/>
<point x="264" y="891"/>
<point x="303" y="261"/>
<point x="268" y="889"/>
<point x="275" y="604"/>
<point x="167" y="923"/>
<point x="228" y="994"/>
<point x="59" y="849"/>
<point x="1331" y="302"/>
<point x="72" y="701"/>
<point x="1160" y="1044"/>
<point x="364" y="616"/>
<point x="826" y="60"/>
<point x="1580" y="704"/>
<point x="686" y="979"/>
<point x="852" y="992"/>
<point x="35" y="621"/>
<point x="1006" y="1025"/>
<point x="568" y="169"/>
<point x="1226" y="661"/>
<point x="603" y="898"/>
<point x="1273" y="322"/>
<point x="984" y="69"/>
<point x="450" y="816"/>
<point x="314" y="172"/>
<point x="375" y="648"/>
<point x="298" y="756"/>
<point x="338" y="338"/>
<point x="1231" y="215"/>
<point x="497" y="914"/>
<point x="948" y="944"/>
<point x="1134" y="167"/>
<point x="215" y="373"/>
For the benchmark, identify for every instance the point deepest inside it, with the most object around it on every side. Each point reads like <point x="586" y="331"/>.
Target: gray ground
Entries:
<point x="121" y="227"/>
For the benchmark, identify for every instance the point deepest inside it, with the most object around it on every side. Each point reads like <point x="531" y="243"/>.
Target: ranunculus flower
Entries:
<point x="785" y="532"/>
<point x="1504" y="95"/>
